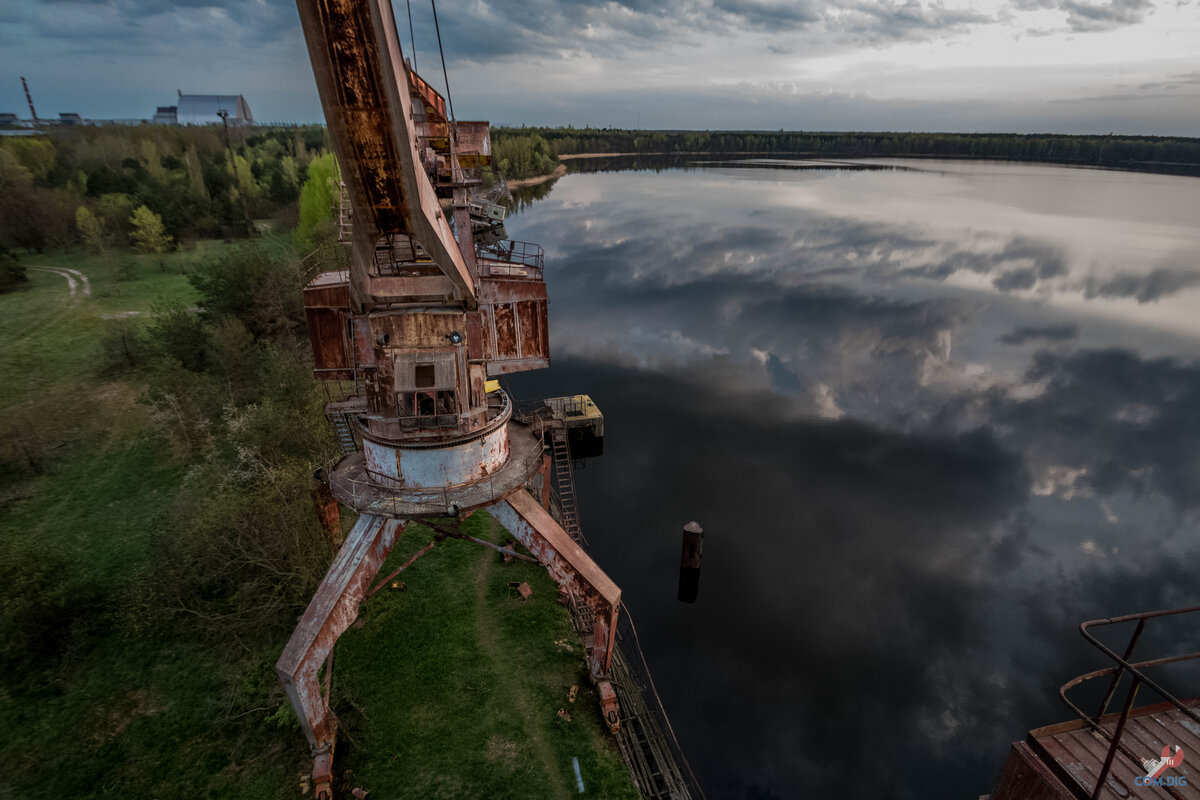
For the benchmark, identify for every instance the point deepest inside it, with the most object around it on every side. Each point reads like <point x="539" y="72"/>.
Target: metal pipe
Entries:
<point x="1112" y="687"/>
<point x="405" y="565"/>
<point x="1112" y="750"/>
<point x="448" y="531"/>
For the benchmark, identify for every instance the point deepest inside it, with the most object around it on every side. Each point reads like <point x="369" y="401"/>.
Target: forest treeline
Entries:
<point x="84" y="185"/>
<point x="522" y="147"/>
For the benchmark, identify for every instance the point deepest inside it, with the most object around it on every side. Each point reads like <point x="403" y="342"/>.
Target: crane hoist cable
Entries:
<point x="411" y="38"/>
<point x="445" y="77"/>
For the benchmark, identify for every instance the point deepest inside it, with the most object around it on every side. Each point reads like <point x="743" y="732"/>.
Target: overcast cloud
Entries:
<point x="1070" y="66"/>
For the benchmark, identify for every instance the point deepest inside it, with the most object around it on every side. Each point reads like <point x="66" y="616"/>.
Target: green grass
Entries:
<point x="451" y="687"/>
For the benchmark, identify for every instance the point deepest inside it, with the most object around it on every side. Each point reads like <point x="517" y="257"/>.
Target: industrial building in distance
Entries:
<point x="189" y="109"/>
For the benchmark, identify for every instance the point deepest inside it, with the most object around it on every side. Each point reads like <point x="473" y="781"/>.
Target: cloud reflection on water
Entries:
<point x="914" y="486"/>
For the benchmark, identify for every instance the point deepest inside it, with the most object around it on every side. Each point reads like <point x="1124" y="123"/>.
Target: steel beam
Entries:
<point x="569" y="565"/>
<point x="333" y="609"/>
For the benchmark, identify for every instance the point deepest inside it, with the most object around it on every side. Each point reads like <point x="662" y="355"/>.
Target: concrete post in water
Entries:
<point x="689" y="562"/>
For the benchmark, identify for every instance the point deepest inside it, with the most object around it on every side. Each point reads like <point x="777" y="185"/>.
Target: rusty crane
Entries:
<point x="424" y="314"/>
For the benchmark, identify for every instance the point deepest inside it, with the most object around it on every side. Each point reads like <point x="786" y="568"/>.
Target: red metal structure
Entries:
<point x="1105" y="755"/>
<point x="29" y="99"/>
<point x="405" y="339"/>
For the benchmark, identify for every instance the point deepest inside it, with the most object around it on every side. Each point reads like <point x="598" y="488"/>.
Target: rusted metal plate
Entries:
<point x="531" y="329"/>
<point x="328" y="290"/>
<point x="1076" y="755"/>
<point x="474" y="144"/>
<point x="505" y="290"/>
<point x="514" y="321"/>
<point x="504" y="326"/>
<point x="412" y="289"/>
<point x="516" y="365"/>
<point x="413" y="329"/>
<point x="327" y="332"/>
<point x="474" y="332"/>
<point x="1025" y="777"/>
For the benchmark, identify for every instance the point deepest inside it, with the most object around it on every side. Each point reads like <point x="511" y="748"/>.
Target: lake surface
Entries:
<point x="931" y="417"/>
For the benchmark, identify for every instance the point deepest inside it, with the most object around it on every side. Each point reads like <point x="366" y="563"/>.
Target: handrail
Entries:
<point x="509" y="251"/>
<point x="1134" y="668"/>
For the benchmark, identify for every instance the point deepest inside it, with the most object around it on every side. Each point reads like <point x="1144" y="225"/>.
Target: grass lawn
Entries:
<point x="451" y="687"/>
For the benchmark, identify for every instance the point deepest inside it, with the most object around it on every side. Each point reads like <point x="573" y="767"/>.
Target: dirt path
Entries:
<point x="71" y="275"/>
<point x="510" y="685"/>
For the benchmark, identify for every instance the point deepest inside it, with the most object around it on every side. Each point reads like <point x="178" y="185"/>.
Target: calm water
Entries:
<point x="930" y="418"/>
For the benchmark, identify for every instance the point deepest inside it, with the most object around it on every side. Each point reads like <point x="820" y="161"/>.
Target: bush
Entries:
<point x="180" y="334"/>
<point x="49" y="614"/>
<point x="123" y="346"/>
<point x="12" y="273"/>
<point x="256" y="287"/>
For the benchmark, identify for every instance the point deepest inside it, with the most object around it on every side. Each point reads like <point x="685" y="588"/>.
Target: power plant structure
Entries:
<point x="432" y="304"/>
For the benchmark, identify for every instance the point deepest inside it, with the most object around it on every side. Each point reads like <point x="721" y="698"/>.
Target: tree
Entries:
<point x="90" y="228"/>
<point x="149" y="235"/>
<point x="12" y="274"/>
<point x="258" y="288"/>
<point x="316" y="203"/>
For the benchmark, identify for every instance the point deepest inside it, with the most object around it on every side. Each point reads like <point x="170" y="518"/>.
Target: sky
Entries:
<point x="1062" y="66"/>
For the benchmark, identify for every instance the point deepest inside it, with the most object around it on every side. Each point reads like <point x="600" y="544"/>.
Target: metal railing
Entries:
<point x="510" y="253"/>
<point x="1138" y="679"/>
<point x="337" y="389"/>
<point x="370" y="494"/>
<point x="460" y="176"/>
<point x="498" y="405"/>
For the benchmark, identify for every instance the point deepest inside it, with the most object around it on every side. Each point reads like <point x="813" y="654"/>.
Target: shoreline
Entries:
<point x="558" y="172"/>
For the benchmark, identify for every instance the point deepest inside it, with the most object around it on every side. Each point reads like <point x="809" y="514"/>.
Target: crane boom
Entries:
<point x="364" y="89"/>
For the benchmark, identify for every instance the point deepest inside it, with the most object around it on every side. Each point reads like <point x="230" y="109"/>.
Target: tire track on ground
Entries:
<point x="509" y="685"/>
<point x="71" y="276"/>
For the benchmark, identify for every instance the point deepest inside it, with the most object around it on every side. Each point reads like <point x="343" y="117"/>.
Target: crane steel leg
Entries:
<point x="569" y="565"/>
<point x="333" y="609"/>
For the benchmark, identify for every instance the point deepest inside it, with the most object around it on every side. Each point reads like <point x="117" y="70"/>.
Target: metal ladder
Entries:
<point x="345" y="214"/>
<point x="564" y="478"/>
<point x="345" y="435"/>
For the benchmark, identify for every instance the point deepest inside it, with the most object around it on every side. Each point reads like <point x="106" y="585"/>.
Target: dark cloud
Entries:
<point x="1016" y="279"/>
<point x="1084" y="17"/>
<point x="1146" y="287"/>
<point x="158" y="26"/>
<point x="1047" y="333"/>
<point x="1021" y="263"/>
<point x="889" y="21"/>
<point x="1105" y="16"/>
<point x="757" y="14"/>
<point x="1124" y="423"/>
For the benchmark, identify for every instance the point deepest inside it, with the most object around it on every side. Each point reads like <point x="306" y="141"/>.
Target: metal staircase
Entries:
<point x="340" y="415"/>
<point x="564" y="479"/>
